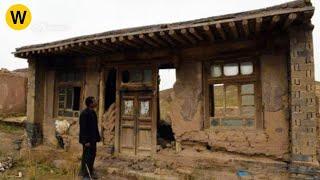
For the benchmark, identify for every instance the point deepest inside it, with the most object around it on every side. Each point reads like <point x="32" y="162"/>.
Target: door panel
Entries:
<point x="127" y="126"/>
<point x="136" y="123"/>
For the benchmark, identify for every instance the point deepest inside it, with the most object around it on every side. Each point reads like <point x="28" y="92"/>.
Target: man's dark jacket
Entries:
<point x="88" y="127"/>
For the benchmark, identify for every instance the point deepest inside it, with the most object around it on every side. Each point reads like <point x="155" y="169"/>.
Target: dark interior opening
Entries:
<point x="76" y="98"/>
<point x="125" y="76"/>
<point x="110" y="96"/>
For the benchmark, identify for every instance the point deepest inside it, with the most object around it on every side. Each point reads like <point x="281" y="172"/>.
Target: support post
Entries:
<point x="33" y="123"/>
<point x="303" y="108"/>
<point x="101" y="96"/>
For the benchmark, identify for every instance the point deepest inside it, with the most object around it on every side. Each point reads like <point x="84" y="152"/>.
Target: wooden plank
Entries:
<point x="245" y="27"/>
<point x="194" y="32"/>
<point x="209" y="33"/>
<point x="188" y="36"/>
<point x="234" y="31"/>
<point x="220" y="31"/>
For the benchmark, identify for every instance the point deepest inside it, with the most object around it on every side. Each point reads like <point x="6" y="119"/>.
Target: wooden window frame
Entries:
<point x="70" y="84"/>
<point x="138" y="85"/>
<point x="237" y="80"/>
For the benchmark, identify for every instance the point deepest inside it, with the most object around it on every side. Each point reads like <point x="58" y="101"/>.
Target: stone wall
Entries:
<point x="271" y="140"/>
<point x="12" y="94"/>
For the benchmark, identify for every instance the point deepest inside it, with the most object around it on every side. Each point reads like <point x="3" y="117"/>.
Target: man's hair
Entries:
<point x="89" y="101"/>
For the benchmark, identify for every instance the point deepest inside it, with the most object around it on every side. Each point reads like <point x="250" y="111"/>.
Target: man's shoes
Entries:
<point x="86" y="178"/>
<point x="94" y="176"/>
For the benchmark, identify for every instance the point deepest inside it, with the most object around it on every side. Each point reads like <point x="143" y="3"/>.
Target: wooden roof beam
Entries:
<point x="155" y="38"/>
<point x="167" y="38"/>
<point x="291" y="17"/>
<point x="106" y="42"/>
<point x="194" y="32"/>
<point x="220" y="31"/>
<point x="148" y="41"/>
<point x="233" y="28"/>
<point x="274" y="21"/>
<point x="258" y="25"/>
<point x="126" y="41"/>
<point x="245" y="26"/>
<point x="188" y="36"/>
<point x="98" y="45"/>
<point x="177" y="37"/>
<point x="208" y="32"/>
<point x="139" y="42"/>
<point x="86" y="45"/>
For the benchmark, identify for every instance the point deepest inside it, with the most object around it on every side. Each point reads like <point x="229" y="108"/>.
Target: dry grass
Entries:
<point x="39" y="165"/>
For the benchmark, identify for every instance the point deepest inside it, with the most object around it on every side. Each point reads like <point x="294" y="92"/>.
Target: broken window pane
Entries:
<point x="216" y="71"/>
<point x="147" y="77"/>
<point x="127" y="108"/>
<point x="218" y="91"/>
<point x="144" y="108"/>
<point x="247" y="100"/>
<point x="231" y="69"/>
<point x="246" y="68"/>
<point x="247" y="89"/>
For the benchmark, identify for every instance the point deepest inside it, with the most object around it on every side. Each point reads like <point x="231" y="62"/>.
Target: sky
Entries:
<point x="60" y="19"/>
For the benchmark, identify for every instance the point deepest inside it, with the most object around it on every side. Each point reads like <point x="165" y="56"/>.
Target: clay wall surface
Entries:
<point x="12" y="94"/>
<point x="90" y="87"/>
<point x="186" y="110"/>
<point x="318" y="97"/>
<point x="271" y="140"/>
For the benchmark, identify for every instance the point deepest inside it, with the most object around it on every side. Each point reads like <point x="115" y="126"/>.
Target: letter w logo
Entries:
<point x="17" y="16"/>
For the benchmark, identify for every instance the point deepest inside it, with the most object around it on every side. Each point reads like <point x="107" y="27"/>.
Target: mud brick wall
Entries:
<point x="272" y="140"/>
<point x="13" y="94"/>
<point x="186" y="110"/>
<point x="303" y="102"/>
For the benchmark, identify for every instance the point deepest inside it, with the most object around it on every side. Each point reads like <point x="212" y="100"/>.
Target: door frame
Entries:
<point x="153" y="87"/>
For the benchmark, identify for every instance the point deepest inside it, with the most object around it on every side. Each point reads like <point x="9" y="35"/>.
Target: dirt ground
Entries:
<point x="44" y="162"/>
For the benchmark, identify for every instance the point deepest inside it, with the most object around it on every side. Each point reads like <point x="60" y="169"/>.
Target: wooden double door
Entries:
<point x="137" y="130"/>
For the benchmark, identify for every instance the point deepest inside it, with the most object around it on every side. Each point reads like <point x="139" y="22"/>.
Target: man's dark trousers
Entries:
<point x="88" y="157"/>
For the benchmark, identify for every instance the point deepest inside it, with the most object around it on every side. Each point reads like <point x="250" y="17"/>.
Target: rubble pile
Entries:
<point x="6" y="164"/>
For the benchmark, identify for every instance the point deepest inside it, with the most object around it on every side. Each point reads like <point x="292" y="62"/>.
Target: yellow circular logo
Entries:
<point x="18" y="16"/>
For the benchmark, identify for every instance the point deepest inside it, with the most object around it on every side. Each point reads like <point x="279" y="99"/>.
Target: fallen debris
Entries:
<point x="6" y="164"/>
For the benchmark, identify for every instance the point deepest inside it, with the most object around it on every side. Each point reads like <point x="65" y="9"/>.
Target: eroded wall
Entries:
<point x="271" y="140"/>
<point x="89" y="87"/>
<point x="12" y="94"/>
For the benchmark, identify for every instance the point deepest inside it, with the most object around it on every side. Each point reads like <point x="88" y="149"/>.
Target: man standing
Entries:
<point x="88" y="137"/>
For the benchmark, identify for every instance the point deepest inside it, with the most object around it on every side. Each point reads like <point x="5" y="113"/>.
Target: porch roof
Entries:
<point x="242" y="25"/>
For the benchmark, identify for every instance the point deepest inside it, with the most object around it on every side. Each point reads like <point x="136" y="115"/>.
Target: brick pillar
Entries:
<point x="302" y="90"/>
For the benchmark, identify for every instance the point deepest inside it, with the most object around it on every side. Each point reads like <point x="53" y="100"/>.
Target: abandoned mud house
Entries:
<point x="245" y="84"/>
